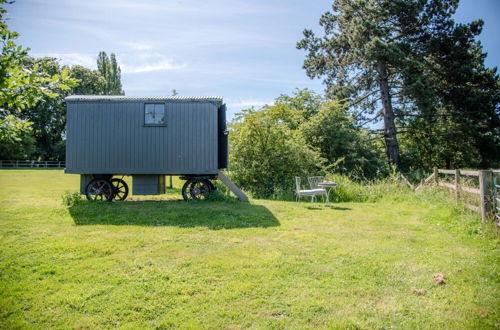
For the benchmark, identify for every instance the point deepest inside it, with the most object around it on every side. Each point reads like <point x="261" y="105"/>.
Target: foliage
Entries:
<point x="266" y="153"/>
<point x="24" y="83"/>
<point x="348" y="149"/>
<point x="464" y="128"/>
<point x="427" y="74"/>
<point x="32" y="92"/>
<point x="304" y="100"/>
<point x="15" y="139"/>
<point x="70" y="198"/>
<point x="109" y="69"/>
<point x="263" y="264"/>
<point x="220" y="194"/>
<point x="90" y="82"/>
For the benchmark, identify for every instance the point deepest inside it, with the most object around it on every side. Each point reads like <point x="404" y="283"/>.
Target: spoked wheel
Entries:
<point x="120" y="189"/>
<point x="196" y="189"/>
<point x="99" y="190"/>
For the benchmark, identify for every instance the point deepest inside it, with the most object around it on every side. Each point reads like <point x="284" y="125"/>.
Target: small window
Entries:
<point x="154" y="114"/>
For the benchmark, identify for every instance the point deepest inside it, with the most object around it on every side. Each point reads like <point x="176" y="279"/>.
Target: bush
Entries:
<point x="70" y="198"/>
<point x="221" y="194"/>
<point x="267" y="152"/>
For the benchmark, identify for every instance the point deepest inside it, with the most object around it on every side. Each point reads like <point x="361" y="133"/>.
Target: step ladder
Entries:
<point x="237" y="191"/>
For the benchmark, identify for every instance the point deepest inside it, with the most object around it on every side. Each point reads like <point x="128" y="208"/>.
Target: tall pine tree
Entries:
<point x="395" y="59"/>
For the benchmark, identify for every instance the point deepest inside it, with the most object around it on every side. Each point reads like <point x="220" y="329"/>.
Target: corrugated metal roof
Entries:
<point x="142" y="98"/>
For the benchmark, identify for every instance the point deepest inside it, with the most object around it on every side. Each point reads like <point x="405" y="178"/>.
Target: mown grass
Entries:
<point x="263" y="264"/>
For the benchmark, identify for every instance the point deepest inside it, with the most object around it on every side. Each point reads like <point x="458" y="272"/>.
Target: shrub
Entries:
<point x="70" y="198"/>
<point x="266" y="151"/>
<point x="221" y="194"/>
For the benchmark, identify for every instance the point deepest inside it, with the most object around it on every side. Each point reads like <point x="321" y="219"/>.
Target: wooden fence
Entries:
<point x="32" y="164"/>
<point x="489" y="186"/>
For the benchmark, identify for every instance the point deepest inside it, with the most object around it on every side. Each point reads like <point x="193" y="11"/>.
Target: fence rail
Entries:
<point x="32" y="164"/>
<point x="489" y="189"/>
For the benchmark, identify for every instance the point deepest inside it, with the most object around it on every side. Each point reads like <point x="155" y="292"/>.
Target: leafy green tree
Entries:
<point x="266" y="154"/>
<point x="16" y="141"/>
<point x="109" y="69"/>
<point x="304" y="100"/>
<point x="90" y="82"/>
<point x="23" y="84"/>
<point x="368" y="55"/>
<point x="463" y="129"/>
<point x="348" y="149"/>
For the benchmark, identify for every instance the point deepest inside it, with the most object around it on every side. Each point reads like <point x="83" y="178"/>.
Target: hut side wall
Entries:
<point x="110" y="138"/>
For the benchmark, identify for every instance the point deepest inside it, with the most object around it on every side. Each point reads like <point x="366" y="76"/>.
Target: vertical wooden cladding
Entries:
<point x="110" y="137"/>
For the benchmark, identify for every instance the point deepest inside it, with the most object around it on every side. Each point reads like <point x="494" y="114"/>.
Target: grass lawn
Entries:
<point x="263" y="264"/>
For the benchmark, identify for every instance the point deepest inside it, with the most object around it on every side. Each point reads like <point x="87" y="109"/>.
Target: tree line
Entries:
<point x="406" y="89"/>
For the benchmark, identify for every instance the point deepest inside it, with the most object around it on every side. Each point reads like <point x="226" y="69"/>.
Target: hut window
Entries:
<point x="154" y="114"/>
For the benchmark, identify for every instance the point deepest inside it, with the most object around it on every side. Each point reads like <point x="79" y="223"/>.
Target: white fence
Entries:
<point x="32" y="164"/>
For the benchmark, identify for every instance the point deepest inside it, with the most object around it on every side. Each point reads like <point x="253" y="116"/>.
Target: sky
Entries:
<point x="241" y="50"/>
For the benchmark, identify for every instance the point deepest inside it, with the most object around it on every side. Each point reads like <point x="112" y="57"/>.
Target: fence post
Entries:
<point x="436" y="177"/>
<point x="485" y="185"/>
<point x="171" y="182"/>
<point x="59" y="164"/>
<point x="457" y="184"/>
<point x="45" y="164"/>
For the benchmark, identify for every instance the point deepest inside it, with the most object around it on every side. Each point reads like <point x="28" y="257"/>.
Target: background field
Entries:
<point x="234" y="265"/>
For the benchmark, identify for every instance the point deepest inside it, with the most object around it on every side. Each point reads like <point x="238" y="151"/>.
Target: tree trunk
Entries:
<point x="390" y="133"/>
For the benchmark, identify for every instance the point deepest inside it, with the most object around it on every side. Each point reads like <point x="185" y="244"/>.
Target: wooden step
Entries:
<point x="237" y="191"/>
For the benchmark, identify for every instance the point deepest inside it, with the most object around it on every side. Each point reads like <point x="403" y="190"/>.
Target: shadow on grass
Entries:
<point x="213" y="215"/>
<point x="338" y="208"/>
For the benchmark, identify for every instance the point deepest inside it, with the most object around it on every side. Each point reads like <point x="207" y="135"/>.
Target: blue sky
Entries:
<point x="241" y="50"/>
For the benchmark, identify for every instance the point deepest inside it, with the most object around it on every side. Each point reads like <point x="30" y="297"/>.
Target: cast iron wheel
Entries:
<point x="211" y="185"/>
<point x="120" y="189"/>
<point x="196" y="189"/>
<point x="99" y="190"/>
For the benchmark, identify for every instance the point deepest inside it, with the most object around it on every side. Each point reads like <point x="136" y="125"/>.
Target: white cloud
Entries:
<point x="161" y="65"/>
<point x="137" y="45"/>
<point x="85" y="60"/>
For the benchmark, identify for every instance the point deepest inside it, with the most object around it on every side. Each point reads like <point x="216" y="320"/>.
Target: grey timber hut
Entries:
<point x="147" y="138"/>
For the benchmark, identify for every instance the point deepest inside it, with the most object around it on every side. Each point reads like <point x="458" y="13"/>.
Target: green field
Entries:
<point x="263" y="264"/>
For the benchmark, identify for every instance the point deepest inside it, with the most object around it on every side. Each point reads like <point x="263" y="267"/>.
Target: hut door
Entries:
<point x="222" y="137"/>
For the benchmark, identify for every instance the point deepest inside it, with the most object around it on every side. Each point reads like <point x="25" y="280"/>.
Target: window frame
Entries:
<point x="164" y="114"/>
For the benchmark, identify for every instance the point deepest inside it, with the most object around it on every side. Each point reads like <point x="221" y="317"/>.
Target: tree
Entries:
<point x="90" y="82"/>
<point x="23" y="84"/>
<point x="109" y="69"/>
<point x="463" y="130"/>
<point x="367" y="48"/>
<point x="15" y="139"/>
<point x="304" y="100"/>
<point x="266" y="154"/>
<point x="425" y="72"/>
<point x="347" y="148"/>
